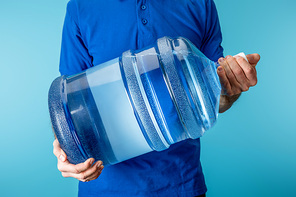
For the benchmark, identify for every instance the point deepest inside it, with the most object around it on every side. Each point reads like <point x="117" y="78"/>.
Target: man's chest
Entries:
<point x="109" y="28"/>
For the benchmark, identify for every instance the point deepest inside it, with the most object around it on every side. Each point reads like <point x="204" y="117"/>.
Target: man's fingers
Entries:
<point x="233" y="81"/>
<point x="249" y="71"/>
<point x="224" y="80"/>
<point x="84" y="171"/>
<point x="95" y="171"/>
<point x="238" y="73"/>
<point x="253" y="58"/>
<point x="75" y="169"/>
<point x="90" y="174"/>
<point x="95" y="175"/>
<point x="84" y="166"/>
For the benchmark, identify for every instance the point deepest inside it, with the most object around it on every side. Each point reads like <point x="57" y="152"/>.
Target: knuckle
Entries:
<point x="239" y="72"/>
<point x="55" y="143"/>
<point x="254" y="82"/>
<point x="82" y="176"/>
<point x="86" y="165"/>
<point x="76" y="170"/>
<point x="230" y="93"/>
<point x="236" y="92"/>
<point x="246" y="88"/>
<point x="250" y="71"/>
<point x="59" y="167"/>
<point x="55" y="152"/>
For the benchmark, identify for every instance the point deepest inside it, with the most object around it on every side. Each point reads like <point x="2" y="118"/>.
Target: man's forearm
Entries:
<point x="226" y="102"/>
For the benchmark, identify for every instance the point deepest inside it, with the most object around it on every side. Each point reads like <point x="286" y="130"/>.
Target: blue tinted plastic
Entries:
<point x="142" y="101"/>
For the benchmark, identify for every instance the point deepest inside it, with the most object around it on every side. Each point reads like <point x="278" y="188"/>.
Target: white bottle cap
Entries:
<point x="243" y="55"/>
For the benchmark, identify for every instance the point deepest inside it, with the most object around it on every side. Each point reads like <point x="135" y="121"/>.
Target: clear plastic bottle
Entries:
<point x="144" y="100"/>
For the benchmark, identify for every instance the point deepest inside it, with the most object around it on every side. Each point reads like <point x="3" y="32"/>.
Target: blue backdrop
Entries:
<point x="250" y="152"/>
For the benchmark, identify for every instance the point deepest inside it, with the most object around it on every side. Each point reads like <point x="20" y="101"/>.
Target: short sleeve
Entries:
<point x="212" y="40"/>
<point x="74" y="54"/>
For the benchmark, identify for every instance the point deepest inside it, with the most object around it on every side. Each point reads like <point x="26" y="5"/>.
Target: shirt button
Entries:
<point x="143" y="7"/>
<point x="144" y="21"/>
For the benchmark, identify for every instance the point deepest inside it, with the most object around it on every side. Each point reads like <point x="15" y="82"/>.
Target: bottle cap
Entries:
<point x="243" y="55"/>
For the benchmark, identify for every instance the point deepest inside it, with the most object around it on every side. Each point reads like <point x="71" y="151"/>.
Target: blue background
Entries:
<point x="250" y="152"/>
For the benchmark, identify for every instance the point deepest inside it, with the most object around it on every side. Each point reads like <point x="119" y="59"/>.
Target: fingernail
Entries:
<point x="91" y="162"/>
<point x="62" y="157"/>
<point x="99" y="164"/>
<point x="228" y="56"/>
<point x="220" y="68"/>
<point x="221" y="60"/>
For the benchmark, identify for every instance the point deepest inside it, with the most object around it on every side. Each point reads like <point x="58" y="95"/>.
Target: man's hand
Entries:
<point x="236" y="76"/>
<point x="84" y="171"/>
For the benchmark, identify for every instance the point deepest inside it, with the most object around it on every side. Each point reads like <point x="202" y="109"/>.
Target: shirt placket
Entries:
<point x="143" y="23"/>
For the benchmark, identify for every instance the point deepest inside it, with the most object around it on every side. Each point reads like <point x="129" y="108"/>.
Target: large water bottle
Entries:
<point x="142" y="101"/>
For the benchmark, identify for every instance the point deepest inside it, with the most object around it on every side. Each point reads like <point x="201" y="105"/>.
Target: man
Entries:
<point x="96" y="31"/>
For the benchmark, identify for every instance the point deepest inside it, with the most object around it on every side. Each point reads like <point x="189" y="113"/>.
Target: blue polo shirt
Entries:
<point x="96" y="31"/>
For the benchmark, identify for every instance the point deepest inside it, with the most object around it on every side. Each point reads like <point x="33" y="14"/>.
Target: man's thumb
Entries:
<point x="58" y="152"/>
<point x="253" y="58"/>
<point x="63" y="157"/>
